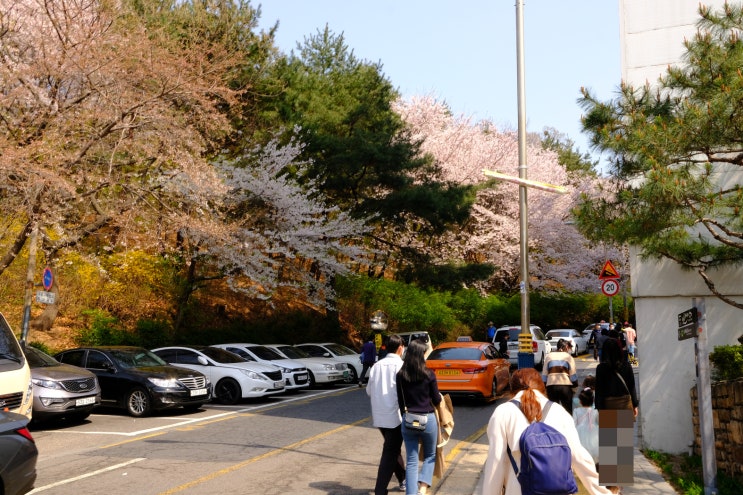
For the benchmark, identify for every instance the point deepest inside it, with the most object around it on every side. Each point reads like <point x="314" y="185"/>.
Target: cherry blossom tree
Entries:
<point x="560" y="258"/>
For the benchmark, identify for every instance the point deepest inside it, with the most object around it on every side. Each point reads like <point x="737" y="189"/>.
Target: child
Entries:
<point x="586" y="419"/>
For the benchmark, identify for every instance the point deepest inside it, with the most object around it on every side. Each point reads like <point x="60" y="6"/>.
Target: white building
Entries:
<point x="651" y="35"/>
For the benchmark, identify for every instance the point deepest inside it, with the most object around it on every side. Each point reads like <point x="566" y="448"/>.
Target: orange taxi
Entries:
<point x="470" y="369"/>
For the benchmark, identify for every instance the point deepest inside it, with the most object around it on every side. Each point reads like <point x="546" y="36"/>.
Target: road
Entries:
<point x="315" y="441"/>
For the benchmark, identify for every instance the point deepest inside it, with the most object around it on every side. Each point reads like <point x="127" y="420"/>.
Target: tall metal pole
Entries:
<point x="29" y="294"/>
<point x="526" y="357"/>
<point x="704" y="397"/>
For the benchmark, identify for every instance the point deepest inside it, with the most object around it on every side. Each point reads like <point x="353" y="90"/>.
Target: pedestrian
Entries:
<point x="490" y="332"/>
<point x="586" y="418"/>
<point x="560" y="375"/>
<point x="602" y="337"/>
<point x="418" y="393"/>
<point x="631" y="337"/>
<point x="503" y="343"/>
<point x="382" y="390"/>
<point x="615" y="380"/>
<point x="368" y="357"/>
<point x="509" y="421"/>
<point x="593" y="339"/>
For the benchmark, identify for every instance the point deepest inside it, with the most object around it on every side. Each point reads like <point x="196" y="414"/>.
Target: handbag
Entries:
<point x="413" y="421"/>
<point x="622" y="401"/>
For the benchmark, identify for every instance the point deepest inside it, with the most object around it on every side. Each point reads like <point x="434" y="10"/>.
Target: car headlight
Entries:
<point x="254" y="375"/>
<point x="329" y="367"/>
<point x="164" y="382"/>
<point x="47" y="384"/>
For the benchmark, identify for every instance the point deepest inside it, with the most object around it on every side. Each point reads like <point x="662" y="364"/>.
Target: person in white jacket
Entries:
<point x="382" y="390"/>
<point x="507" y="424"/>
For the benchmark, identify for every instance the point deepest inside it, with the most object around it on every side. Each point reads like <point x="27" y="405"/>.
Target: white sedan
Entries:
<point x="322" y="371"/>
<point x="578" y="341"/>
<point x="232" y="376"/>
<point x="338" y="353"/>
<point x="295" y="373"/>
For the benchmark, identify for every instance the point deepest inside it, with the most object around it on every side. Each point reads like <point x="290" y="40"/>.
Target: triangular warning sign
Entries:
<point x="608" y="272"/>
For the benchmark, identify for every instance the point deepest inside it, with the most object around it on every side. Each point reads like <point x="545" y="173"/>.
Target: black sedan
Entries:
<point x="138" y="381"/>
<point x="18" y="454"/>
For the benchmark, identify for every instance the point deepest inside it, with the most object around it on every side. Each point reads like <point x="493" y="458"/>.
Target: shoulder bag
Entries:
<point x="622" y="401"/>
<point x="413" y="421"/>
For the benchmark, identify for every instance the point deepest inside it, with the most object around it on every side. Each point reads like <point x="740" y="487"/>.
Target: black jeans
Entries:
<point x="391" y="460"/>
<point x="562" y="394"/>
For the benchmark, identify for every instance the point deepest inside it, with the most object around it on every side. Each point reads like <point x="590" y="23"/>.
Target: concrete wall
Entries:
<point x="651" y="38"/>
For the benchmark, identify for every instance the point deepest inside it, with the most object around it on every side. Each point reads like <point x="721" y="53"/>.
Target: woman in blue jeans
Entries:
<point x="418" y="392"/>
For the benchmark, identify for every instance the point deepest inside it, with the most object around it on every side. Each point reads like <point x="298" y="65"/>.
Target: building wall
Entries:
<point x="651" y="35"/>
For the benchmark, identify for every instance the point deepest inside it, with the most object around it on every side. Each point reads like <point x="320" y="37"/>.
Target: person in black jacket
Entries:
<point x="418" y="392"/>
<point x="614" y="376"/>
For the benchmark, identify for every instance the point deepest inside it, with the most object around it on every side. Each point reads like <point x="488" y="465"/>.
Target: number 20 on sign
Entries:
<point x="610" y="287"/>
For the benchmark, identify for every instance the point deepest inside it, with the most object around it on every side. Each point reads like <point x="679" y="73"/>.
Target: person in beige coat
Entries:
<point x="508" y="423"/>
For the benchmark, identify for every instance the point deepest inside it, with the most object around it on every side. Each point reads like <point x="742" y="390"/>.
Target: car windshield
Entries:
<point x="221" y="356"/>
<point x="136" y="358"/>
<point x="293" y="352"/>
<point x="9" y="348"/>
<point x="265" y="353"/>
<point x="456" y="353"/>
<point x="38" y="359"/>
<point x="340" y="350"/>
<point x="552" y="334"/>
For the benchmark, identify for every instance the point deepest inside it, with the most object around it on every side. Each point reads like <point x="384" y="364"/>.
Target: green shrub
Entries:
<point x="727" y="362"/>
<point x="103" y="329"/>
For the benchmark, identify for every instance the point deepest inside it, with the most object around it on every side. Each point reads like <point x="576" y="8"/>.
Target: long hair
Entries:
<point x="414" y="365"/>
<point x="611" y="353"/>
<point x="529" y="380"/>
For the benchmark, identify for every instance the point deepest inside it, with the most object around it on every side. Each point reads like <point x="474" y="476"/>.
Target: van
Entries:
<point x="422" y="336"/>
<point x="16" y="390"/>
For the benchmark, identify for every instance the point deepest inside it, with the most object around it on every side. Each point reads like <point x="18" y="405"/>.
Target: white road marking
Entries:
<point x="86" y="475"/>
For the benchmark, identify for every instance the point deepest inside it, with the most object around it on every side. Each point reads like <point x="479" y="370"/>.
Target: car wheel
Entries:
<point x="138" y="403"/>
<point x="312" y="380"/>
<point x="353" y="376"/>
<point x="228" y="391"/>
<point x="575" y="351"/>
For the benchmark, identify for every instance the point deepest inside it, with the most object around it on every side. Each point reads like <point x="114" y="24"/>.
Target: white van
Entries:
<point x="16" y="390"/>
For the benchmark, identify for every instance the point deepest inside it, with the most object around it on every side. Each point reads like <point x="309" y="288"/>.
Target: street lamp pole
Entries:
<point x="526" y="356"/>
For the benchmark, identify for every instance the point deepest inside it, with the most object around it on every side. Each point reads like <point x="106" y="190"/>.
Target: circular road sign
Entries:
<point x="610" y="287"/>
<point x="47" y="278"/>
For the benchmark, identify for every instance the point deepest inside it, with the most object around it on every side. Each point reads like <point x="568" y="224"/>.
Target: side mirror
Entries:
<point x="202" y="361"/>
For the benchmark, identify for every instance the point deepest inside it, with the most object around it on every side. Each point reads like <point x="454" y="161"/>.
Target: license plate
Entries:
<point x="198" y="391"/>
<point x="86" y="401"/>
<point x="447" y="372"/>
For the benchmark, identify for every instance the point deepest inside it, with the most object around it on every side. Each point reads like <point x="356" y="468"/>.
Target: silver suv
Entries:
<point x="539" y="343"/>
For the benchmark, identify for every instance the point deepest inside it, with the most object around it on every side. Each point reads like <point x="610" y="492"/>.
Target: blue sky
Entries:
<point x="464" y="52"/>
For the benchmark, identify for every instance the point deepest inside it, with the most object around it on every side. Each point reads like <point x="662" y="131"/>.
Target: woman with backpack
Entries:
<point x="417" y="396"/>
<point x="505" y="429"/>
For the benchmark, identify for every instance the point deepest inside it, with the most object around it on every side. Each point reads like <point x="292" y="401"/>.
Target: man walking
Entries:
<point x="631" y="336"/>
<point x="368" y="357"/>
<point x="382" y="390"/>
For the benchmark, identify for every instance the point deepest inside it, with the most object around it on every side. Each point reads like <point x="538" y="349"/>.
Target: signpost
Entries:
<point x="688" y="323"/>
<point x="610" y="285"/>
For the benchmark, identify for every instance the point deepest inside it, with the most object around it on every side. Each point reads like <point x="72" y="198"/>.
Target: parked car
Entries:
<point x="540" y="346"/>
<point x="135" y="379"/>
<point x="322" y="371"/>
<point x="16" y="390"/>
<point x="578" y="341"/>
<point x="470" y="369"/>
<point x="18" y="454"/>
<point x="61" y="390"/>
<point x="338" y="353"/>
<point x="233" y="377"/>
<point x="295" y="373"/>
<point x="422" y="336"/>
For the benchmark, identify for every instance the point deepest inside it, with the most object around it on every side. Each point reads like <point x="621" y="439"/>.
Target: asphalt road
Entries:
<point x="310" y="442"/>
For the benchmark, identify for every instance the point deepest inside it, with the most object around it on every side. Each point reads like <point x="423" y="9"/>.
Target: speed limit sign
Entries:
<point x="610" y="287"/>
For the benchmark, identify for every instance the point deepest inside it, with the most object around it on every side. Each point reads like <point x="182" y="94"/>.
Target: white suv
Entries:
<point x="539" y="343"/>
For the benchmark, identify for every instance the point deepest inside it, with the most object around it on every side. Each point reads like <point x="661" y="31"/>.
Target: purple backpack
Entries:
<point x="545" y="459"/>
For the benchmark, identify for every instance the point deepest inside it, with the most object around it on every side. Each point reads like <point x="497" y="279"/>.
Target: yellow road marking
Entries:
<point x="274" y="452"/>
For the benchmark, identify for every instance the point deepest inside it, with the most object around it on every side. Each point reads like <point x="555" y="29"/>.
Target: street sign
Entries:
<point x="608" y="272"/>
<point x="610" y="287"/>
<point x="688" y="322"/>
<point x="45" y="297"/>
<point x="47" y="279"/>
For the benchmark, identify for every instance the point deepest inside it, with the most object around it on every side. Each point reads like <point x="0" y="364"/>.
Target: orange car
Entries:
<point x="470" y="369"/>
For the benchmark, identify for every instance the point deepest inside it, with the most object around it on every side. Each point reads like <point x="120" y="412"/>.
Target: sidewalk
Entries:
<point x="464" y="476"/>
